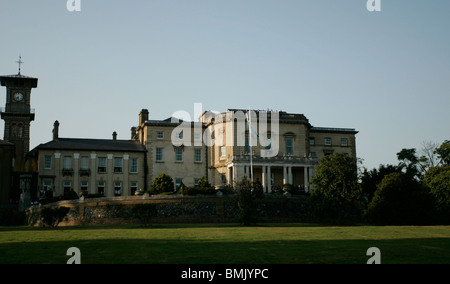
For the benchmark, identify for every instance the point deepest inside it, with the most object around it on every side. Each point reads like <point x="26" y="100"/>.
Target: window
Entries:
<point x="344" y="142"/>
<point x="84" y="187"/>
<point x="327" y="141"/>
<point x="67" y="163"/>
<point x="312" y="141"/>
<point x="313" y="155"/>
<point x="67" y="186"/>
<point x="159" y="155"/>
<point x="159" y="135"/>
<point x="102" y="165"/>
<point x="198" y="155"/>
<point x="197" y="136"/>
<point x="84" y="163"/>
<point x="118" y="163"/>
<point x="48" y="162"/>
<point x="178" y="182"/>
<point x="223" y="151"/>
<point x="196" y="181"/>
<point x="133" y="187"/>
<point x="101" y="188"/>
<point x="134" y="165"/>
<point x="48" y="185"/>
<point x="178" y="155"/>
<point x="289" y="146"/>
<point x="117" y="189"/>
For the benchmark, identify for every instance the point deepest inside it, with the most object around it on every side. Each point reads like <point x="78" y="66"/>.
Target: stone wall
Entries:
<point x="175" y="209"/>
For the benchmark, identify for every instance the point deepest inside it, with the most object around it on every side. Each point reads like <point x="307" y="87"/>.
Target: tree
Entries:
<point x="400" y="200"/>
<point x="162" y="183"/>
<point x="247" y="193"/>
<point x="335" y="193"/>
<point x="409" y="161"/>
<point x="371" y="179"/>
<point x="444" y="153"/>
<point x="437" y="179"/>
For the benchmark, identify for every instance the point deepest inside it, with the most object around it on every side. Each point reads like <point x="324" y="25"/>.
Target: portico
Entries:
<point x="272" y="173"/>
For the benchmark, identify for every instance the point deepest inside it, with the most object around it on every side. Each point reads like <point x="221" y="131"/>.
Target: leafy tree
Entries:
<point x="444" y="153"/>
<point x="335" y="191"/>
<point x="437" y="179"/>
<point x="162" y="183"/>
<point x="247" y="193"/>
<point x="400" y="200"/>
<point x="371" y="179"/>
<point x="409" y="161"/>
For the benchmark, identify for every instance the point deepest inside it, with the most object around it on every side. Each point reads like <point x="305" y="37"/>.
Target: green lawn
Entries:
<point x="225" y="244"/>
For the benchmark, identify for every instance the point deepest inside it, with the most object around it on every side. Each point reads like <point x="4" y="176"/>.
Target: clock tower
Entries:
<point x="18" y="113"/>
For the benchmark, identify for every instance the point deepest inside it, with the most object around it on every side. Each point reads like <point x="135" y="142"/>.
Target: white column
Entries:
<point x="290" y="179"/>
<point x="264" y="178"/>
<point x="285" y="178"/>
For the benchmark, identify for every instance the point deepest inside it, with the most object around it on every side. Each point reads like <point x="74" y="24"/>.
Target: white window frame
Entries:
<point x="198" y="155"/>
<point x="178" y="155"/>
<point x="159" y="155"/>
<point x="48" y="162"/>
<point x="134" y="166"/>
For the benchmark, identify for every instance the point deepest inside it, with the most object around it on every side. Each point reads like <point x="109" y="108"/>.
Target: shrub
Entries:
<point x="247" y="193"/>
<point x="53" y="216"/>
<point x="400" y="200"/>
<point x="437" y="180"/>
<point x="145" y="213"/>
<point x="162" y="183"/>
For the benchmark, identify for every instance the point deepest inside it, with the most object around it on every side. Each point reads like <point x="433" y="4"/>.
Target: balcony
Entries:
<point x="274" y="160"/>
<point x="85" y="172"/>
<point x="67" y="172"/>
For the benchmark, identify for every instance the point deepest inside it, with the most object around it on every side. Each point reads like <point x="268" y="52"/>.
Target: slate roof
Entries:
<point x="80" y="144"/>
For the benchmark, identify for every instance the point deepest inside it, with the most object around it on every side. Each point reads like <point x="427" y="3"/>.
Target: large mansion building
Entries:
<point x="271" y="147"/>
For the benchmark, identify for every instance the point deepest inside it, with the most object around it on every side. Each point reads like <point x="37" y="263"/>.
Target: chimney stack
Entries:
<point x="133" y="133"/>
<point x="143" y="116"/>
<point x="114" y="136"/>
<point x="56" y="130"/>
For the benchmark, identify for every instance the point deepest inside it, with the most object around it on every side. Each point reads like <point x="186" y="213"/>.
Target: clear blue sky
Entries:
<point x="386" y="73"/>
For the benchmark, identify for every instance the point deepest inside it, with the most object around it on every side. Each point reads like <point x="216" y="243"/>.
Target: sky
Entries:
<point x="385" y="73"/>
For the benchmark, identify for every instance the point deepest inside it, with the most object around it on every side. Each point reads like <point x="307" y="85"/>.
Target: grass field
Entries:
<point x="225" y="244"/>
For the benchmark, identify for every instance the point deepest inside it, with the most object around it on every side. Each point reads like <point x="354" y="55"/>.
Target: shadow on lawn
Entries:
<point x="149" y="251"/>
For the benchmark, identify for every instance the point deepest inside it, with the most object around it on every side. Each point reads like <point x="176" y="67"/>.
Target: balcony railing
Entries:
<point x="279" y="158"/>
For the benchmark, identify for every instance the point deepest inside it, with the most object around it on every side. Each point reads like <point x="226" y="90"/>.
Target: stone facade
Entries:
<point x="285" y="151"/>
<point x="91" y="166"/>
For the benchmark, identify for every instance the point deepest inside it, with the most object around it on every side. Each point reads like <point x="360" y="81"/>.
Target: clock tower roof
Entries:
<point x="17" y="78"/>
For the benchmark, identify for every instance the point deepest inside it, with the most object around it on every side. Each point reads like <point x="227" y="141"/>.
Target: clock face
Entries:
<point x="18" y="97"/>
